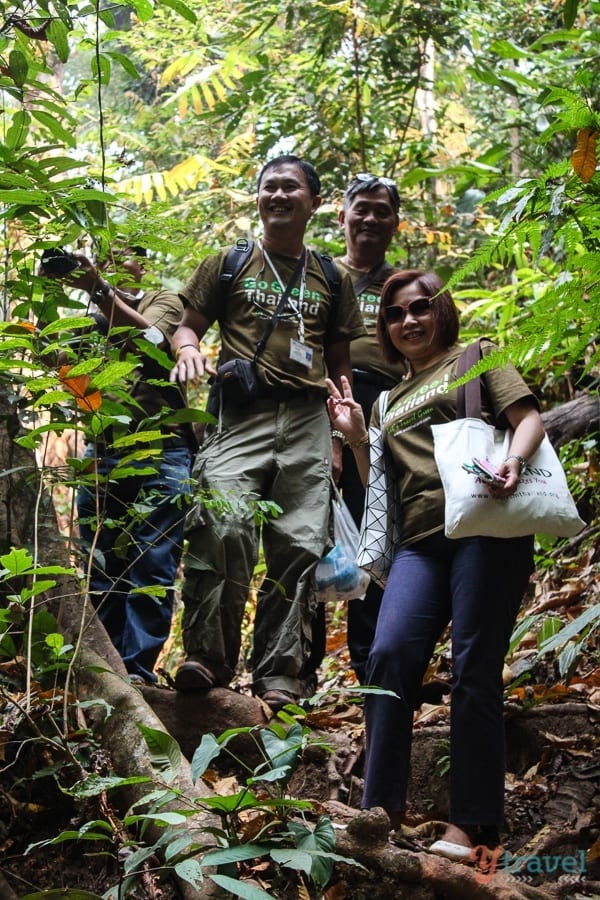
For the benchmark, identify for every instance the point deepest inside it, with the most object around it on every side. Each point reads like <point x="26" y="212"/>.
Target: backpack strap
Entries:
<point x="334" y="279"/>
<point x="331" y="273"/>
<point x="235" y="259"/>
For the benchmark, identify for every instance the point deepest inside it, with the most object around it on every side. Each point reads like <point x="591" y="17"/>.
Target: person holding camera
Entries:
<point x="283" y="328"/>
<point x="475" y="582"/>
<point x="132" y="524"/>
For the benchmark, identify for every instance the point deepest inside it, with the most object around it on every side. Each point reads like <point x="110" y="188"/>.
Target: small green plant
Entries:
<point x="259" y="821"/>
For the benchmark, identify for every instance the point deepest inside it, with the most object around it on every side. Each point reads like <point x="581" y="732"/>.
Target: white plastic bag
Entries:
<point x="337" y="576"/>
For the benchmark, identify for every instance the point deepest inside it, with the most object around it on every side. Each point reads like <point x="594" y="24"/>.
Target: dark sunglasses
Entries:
<point x="366" y="176"/>
<point x="420" y="306"/>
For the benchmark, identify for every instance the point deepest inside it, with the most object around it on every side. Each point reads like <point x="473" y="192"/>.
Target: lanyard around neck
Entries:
<point x="296" y="306"/>
<point x="282" y="302"/>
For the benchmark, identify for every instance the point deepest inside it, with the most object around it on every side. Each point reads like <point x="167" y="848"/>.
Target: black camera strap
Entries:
<point x="260" y="346"/>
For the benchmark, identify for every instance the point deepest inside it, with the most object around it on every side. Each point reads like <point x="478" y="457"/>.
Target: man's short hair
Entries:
<point x="312" y="179"/>
<point x="365" y="183"/>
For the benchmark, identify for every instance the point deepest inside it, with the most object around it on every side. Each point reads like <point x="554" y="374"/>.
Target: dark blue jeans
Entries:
<point x="138" y="546"/>
<point x="478" y="583"/>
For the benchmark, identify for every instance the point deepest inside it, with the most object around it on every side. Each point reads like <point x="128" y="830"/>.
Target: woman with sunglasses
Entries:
<point x="477" y="582"/>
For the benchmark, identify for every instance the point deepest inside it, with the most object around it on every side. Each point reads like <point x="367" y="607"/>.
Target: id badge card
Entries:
<point x="300" y="353"/>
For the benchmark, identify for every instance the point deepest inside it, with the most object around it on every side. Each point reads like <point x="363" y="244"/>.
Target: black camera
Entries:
<point x="58" y="262"/>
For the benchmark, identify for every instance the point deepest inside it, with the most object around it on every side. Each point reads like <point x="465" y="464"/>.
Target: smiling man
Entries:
<point x="369" y="219"/>
<point x="272" y="443"/>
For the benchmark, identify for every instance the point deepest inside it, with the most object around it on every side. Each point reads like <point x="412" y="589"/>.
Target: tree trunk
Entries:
<point x="573" y="419"/>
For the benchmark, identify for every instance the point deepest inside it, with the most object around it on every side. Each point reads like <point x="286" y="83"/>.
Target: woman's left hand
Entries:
<point x="345" y="413"/>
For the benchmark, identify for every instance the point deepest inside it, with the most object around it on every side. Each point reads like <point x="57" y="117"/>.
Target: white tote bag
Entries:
<point x="542" y="502"/>
<point x="380" y="525"/>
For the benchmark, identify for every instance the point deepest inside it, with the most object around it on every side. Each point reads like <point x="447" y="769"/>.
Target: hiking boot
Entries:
<point x="193" y="676"/>
<point x="277" y="699"/>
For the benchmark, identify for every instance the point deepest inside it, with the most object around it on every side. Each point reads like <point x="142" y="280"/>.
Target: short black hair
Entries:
<point x="443" y="309"/>
<point x="312" y="179"/>
<point x="364" y="184"/>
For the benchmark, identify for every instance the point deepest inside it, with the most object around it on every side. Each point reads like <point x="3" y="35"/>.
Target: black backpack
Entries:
<point x="238" y="254"/>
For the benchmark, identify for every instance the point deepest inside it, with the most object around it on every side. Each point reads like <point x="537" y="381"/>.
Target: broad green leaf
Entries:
<point x="58" y="36"/>
<point x="94" y="785"/>
<point x="17" y="134"/>
<point x="190" y="870"/>
<point x="38" y="587"/>
<point x="234" y="854"/>
<point x="590" y="616"/>
<point x="322" y="839"/>
<point x="113" y="373"/>
<point x="55" y="641"/>
<point x="132" y="440"/>
<point x="239" y="888"/>
<point x="92" y="194"/>
<point x="101" y="68"/>
<point x="125" y="63"/>
<point x="508" y="50"/>
<point x="280" y="773"/>
<point x="568" y="657"/>
<point x="17" y="562"/>
<point x="570" y="12"/>
<point x="137" y="858"/>
<point x="178" y="845"/>
<point x="294" y="859"/>
<point x="29" y="197"/>
<point x="18" y="67"/>
<point x="182" y="8"/>
<point x="65" y="328"/>
<point x="525" y="625"/>
<point x="54" y="127"/>
<point x="304" y="859"/>
<point x="207" y="750"/>
<point x="143" y="9"/>
<point x="282" y="752"/>
<point x="548" y="629"/>
<point x="165" y="753"/>
<point x="244" y="799"/>
<point x="91" y="831"/>
<point x="159" y="818"/>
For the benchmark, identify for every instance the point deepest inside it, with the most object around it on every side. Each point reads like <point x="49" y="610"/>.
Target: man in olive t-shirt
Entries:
<point x="369" y="218"/>
<point x="274" y="446"/>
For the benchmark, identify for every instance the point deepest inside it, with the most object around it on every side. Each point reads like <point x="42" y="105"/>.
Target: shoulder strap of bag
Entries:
<point x="235" y="259"/>
<point x="369" y="277"/>
<point x="383" y="399"/>
<point x="468" y="399"/>
<point x="331" y="273"/>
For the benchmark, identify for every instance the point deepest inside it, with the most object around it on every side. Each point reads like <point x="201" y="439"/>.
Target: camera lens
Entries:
<point x="58" y="262"/>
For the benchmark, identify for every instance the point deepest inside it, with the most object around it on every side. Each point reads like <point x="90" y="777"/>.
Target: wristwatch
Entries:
<point x="102" y="292"/>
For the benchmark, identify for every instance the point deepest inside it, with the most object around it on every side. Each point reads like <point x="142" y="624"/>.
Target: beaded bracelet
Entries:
<point x="361" y="442"/>
<point x="522" y="462"/>
<point x="338" y="434"/>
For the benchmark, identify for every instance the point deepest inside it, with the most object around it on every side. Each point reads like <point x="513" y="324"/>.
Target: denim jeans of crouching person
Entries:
<point x="138" y="545"/>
